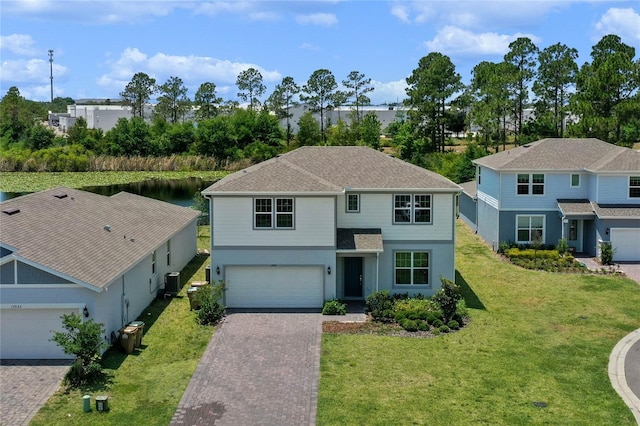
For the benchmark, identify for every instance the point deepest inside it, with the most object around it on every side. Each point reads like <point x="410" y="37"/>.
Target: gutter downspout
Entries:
<point x="377" y="269"/>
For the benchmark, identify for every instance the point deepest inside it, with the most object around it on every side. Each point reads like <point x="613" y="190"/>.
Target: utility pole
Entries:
<point x="51" y="71"/>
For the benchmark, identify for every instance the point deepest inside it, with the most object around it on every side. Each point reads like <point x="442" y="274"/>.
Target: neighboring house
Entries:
<point x="584" y="190"/>
<point x="320" y="223"/>
<point x="69" y="251"/>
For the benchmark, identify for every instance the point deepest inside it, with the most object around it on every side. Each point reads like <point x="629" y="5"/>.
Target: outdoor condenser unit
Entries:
<point x="172" y="282"/>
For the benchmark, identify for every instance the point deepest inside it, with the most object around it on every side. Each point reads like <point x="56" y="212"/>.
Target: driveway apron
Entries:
<point x="25" y="385"/>
<point x="258" y="369"/>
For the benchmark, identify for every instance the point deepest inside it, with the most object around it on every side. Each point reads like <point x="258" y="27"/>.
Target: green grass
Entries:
<point x="32" y="182"/>
<point x="534" y="337"/>
<point x="144" y="388"/>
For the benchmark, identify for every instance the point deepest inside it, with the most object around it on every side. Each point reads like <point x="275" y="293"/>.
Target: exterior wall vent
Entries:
<point x="11" y="211"/>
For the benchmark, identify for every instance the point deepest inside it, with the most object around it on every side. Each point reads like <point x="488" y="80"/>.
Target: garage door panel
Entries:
<point x="626" y="243"/>
<point x="274" y="287"/>
<point x="25" y="333"/>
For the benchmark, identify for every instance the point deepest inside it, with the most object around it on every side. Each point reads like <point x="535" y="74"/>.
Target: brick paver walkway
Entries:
<point x="25" y="386"/>
<point x="259" y="369"/>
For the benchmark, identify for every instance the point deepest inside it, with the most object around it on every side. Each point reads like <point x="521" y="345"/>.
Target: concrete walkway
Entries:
<point x="258" y="369"/>
<point x="25" y="386"/>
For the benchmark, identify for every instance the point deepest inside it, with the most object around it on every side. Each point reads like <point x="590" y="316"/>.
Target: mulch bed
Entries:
<point x="374" y="328"/>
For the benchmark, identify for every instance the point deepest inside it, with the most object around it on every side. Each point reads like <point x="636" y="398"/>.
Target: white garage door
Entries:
<point x="274" y="286"/>
<point x="25" y="332"/>
<point x="626" y="243"/>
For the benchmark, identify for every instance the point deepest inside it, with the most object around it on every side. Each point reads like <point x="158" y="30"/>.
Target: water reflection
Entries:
<point x="175" y="191"/>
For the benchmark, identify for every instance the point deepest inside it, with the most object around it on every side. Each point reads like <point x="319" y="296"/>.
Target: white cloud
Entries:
<point x="400" y="12"/>
<point x="456" y="41"/>
<point x="30" y="71"/>
<point x="20" y="44"/>
<point x="390" y="92"/>
<point x="622" y="22"/>
<point x="192" y="70"/>
<point x="325" y="19"/>
<point x="309" y="47"/>
<point x="218" y="7"/>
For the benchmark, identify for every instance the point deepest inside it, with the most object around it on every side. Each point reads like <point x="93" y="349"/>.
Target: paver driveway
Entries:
<point x="25" y="385"/>
<point x="259" y="369"/>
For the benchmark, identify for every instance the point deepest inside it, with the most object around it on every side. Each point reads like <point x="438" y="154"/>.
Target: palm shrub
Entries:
<point x="84" y="341"/>
<point x="334" y="307"/>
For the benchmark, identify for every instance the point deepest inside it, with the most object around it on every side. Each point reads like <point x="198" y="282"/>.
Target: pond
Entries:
<point x="175" y="191"/>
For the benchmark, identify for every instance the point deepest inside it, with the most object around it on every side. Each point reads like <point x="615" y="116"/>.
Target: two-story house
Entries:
<point x="320" y="223"/>
<point x="584" y="190"/>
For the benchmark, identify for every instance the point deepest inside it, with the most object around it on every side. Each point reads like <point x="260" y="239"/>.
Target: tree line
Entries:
<point x="600" y="99"/>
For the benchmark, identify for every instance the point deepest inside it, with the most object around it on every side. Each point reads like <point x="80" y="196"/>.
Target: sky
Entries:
<point x="99" y="45"/>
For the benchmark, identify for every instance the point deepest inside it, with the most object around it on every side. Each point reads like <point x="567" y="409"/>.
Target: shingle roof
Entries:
<point x="617" y="211"/>
<point x="331" y="169"/>
<point x="470" y="188"/>
<point x="360" y="239"/>
<point x="65" y="230"/>
<point x="565" y="154"/>
<point x="575" y="207"/>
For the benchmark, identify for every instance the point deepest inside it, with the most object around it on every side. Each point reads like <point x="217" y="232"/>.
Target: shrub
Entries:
<point x="447" y="298"/>
<point x="443" y="329"/>
<point x="84" y="341"/>
<point x="437" y="323"/>
<point x="209" y="297"/>
<point x="503" y="246"/>
<point x="416" y="309"/>
<point x="380" y="306"/>
<point x="453" y="324"/>
<point x="606" y="253"/>
<point x="562" y="247"/>
<point x="334" y="307"/>
<point x="409" y="325"/>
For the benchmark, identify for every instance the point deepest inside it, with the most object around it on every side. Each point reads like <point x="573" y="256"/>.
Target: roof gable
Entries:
<point x="331" y="169"/>
<point x="89" y="237"/>
<point x="565" y="154"/>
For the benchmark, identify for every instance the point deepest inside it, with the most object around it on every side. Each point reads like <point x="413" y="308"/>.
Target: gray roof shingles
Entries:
<point x="68" y="234"/>
<point x="617" y="211"/>
<point x="360" y="239"/>
<point x="331" y="169"/>
<point x="575" y="207"/>
<point x="565" y="154"/>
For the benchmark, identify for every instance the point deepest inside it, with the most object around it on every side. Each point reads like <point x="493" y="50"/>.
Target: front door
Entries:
<point x="352" y="277"/>
<point x="575" y="235"/>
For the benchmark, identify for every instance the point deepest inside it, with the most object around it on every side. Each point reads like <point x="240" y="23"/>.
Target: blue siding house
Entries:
<point x="584" y="190"/>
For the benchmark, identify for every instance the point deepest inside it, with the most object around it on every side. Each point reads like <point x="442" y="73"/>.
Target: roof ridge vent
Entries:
<point x="107" y="228"/>
<point x="11" y="210"/>
<point x="60" y="195"/>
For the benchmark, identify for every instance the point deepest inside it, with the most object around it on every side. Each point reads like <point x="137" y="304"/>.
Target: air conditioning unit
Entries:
<point x="172" y="282"/>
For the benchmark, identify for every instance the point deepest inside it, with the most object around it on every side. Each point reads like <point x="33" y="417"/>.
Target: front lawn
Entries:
<point x="535" y="352"/>
<point x="145" y="387"/>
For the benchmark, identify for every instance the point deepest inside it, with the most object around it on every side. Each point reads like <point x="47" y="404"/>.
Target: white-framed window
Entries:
<point x="273" y="213"/>
<point x="575" y="180"/>
<point x="153" y="262"/>
<point x="530" y="229"/>
<point x="169" y="253"/>
<point x="353" y="203"/>
<point x="530" y="184"/>
<point x="634" y="186"/>
<point x="412" y="208"/>
<point x="411" y="268"/>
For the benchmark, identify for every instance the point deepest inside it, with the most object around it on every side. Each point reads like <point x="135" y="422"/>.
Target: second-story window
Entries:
<point x="634" y="187"/>
<point x="353" y="203"/>
<point x="530" y="184"/>
<point x="575" y="180"/>
<point x="412" y="208"/>
<point x="273" y="213"/>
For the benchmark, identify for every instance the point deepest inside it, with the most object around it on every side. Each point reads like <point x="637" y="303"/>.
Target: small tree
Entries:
<point x="606" y="253"/>
<point x="562" y="247"/>
<point x="447" y="298"/>
<point x="84" y="341"/>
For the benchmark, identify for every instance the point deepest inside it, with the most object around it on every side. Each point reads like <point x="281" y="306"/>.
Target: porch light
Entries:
<point x="218" y="270"/>
<point x="329" y="270"/>
<point x="606" y="231"/>
<point x="85" y="311"/>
